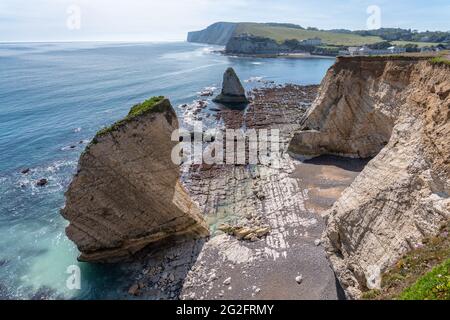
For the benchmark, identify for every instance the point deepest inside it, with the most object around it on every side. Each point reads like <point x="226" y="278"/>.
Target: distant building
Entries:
<point x="366" y="51"/>
<point x="312" y="42"/>
<point x="353" y="51"/>
<point x="396" y="50"/>
<point x="430" y="49"/>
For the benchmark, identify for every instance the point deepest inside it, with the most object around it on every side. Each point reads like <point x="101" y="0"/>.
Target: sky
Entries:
<point x="170" y="20"/>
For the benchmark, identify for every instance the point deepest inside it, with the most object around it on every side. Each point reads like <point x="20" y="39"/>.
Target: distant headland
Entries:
<point x="273" y="39"/>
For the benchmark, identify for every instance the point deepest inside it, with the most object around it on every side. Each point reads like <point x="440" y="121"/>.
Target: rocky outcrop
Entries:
<point x="218" y="33"/>
<point x="232" y="90"/>
<point x="127" y="193"/>
<point x="396" y="110"/>
<point x="251" y="45"/>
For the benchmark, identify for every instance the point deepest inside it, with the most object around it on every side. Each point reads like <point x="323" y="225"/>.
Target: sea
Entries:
<point x="54" y="97"/>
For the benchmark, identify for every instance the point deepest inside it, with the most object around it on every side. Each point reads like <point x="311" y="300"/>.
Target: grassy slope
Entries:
<point x="423" y="274"/>
<point x="433" y="286"/>
<point x="329" y="38"/>
<point x="139" y="109"/>
<point x="443" y="59"/>
<point x="419" y="44"/>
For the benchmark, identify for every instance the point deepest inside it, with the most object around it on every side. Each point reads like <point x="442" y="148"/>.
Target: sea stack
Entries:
<point x="127" y="192"/>
<point x="233" y="92"/>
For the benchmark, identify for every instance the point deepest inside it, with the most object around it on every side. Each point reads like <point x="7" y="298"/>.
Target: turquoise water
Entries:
<point x="56" y="96"/>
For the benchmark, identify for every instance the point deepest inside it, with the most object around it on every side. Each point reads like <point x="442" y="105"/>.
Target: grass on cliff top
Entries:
<point x="422" y="274"/>
<point x="442" y="60"/>
<point x="280" y="34"/>
<point x="433" y="286"/>
<point x="419" y="44"/>
<point x="149" y="105"/>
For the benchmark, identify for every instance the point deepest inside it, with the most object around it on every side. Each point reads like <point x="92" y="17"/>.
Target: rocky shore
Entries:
<point x="270" y="230"/>
<point x="265" y="226"/>
<point x="395" y="109"/>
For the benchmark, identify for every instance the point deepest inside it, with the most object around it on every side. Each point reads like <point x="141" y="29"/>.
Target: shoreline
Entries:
<point x="226" y="267"/>
<point x="275" y="55"/>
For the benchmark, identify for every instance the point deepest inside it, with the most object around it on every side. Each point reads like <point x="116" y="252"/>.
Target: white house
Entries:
<point x="366" y="51"/>
<point x="396" y="50"/>
<point x="353" y="51"/>
<point x="312" y="42"/>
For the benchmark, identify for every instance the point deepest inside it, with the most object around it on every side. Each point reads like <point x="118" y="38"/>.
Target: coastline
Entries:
<point x="288" y="201"/>
<point x="275" y="55"/>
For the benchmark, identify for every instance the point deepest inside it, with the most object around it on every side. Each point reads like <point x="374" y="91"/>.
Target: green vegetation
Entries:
<point x="150" y="105"/>
<point x="433" y="286"/>
<point x="397" y="34"/>
<point x="339" y="38"/>
<point x="441" y="60"/>
<point x="145" y="106"/>
<point x="281" y="33"/>
<point x="423" y="273"/>
<point x="418" y="44"/>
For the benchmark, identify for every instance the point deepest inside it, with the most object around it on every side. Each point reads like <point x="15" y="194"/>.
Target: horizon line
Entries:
<point x="91" y="41"/>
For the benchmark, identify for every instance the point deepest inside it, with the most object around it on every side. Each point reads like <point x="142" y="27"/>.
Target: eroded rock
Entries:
<point x="248" y="233"/>
<point x="41" y="182"/>
<point x="232" y="90"/>
<point x="127" y="193"/>
<point x="397" y="110"/>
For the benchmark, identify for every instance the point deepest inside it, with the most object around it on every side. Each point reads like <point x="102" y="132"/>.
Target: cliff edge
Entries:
<point x="218" y="33"/>
<point x="127" y="193"/>
<point x="396" y="110"/>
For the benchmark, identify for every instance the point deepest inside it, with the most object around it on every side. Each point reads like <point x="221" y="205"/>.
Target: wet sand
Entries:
<point x="325" y="178"/>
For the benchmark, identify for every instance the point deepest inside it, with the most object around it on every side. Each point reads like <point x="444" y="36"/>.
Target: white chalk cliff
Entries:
<point x="397" y="110"/>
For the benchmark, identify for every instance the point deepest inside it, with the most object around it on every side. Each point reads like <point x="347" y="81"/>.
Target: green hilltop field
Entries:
<point x="281" y="33"/>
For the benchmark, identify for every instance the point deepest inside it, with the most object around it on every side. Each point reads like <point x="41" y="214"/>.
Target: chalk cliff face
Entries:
<point x="218" y="33"/>
<point x="396" y="110"/>
<point x="126" y="193"/>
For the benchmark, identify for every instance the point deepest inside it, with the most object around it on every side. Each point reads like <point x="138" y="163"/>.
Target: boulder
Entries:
<point x="233" y="93"/>
<point x="127" y="192"/>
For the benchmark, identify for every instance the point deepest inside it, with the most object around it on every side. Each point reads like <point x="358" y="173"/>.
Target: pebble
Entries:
<point x="212" y="277"/>
<point x="318" y="242"/>
<point x="299" y="279"/>
<point x="227" y="281"/>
